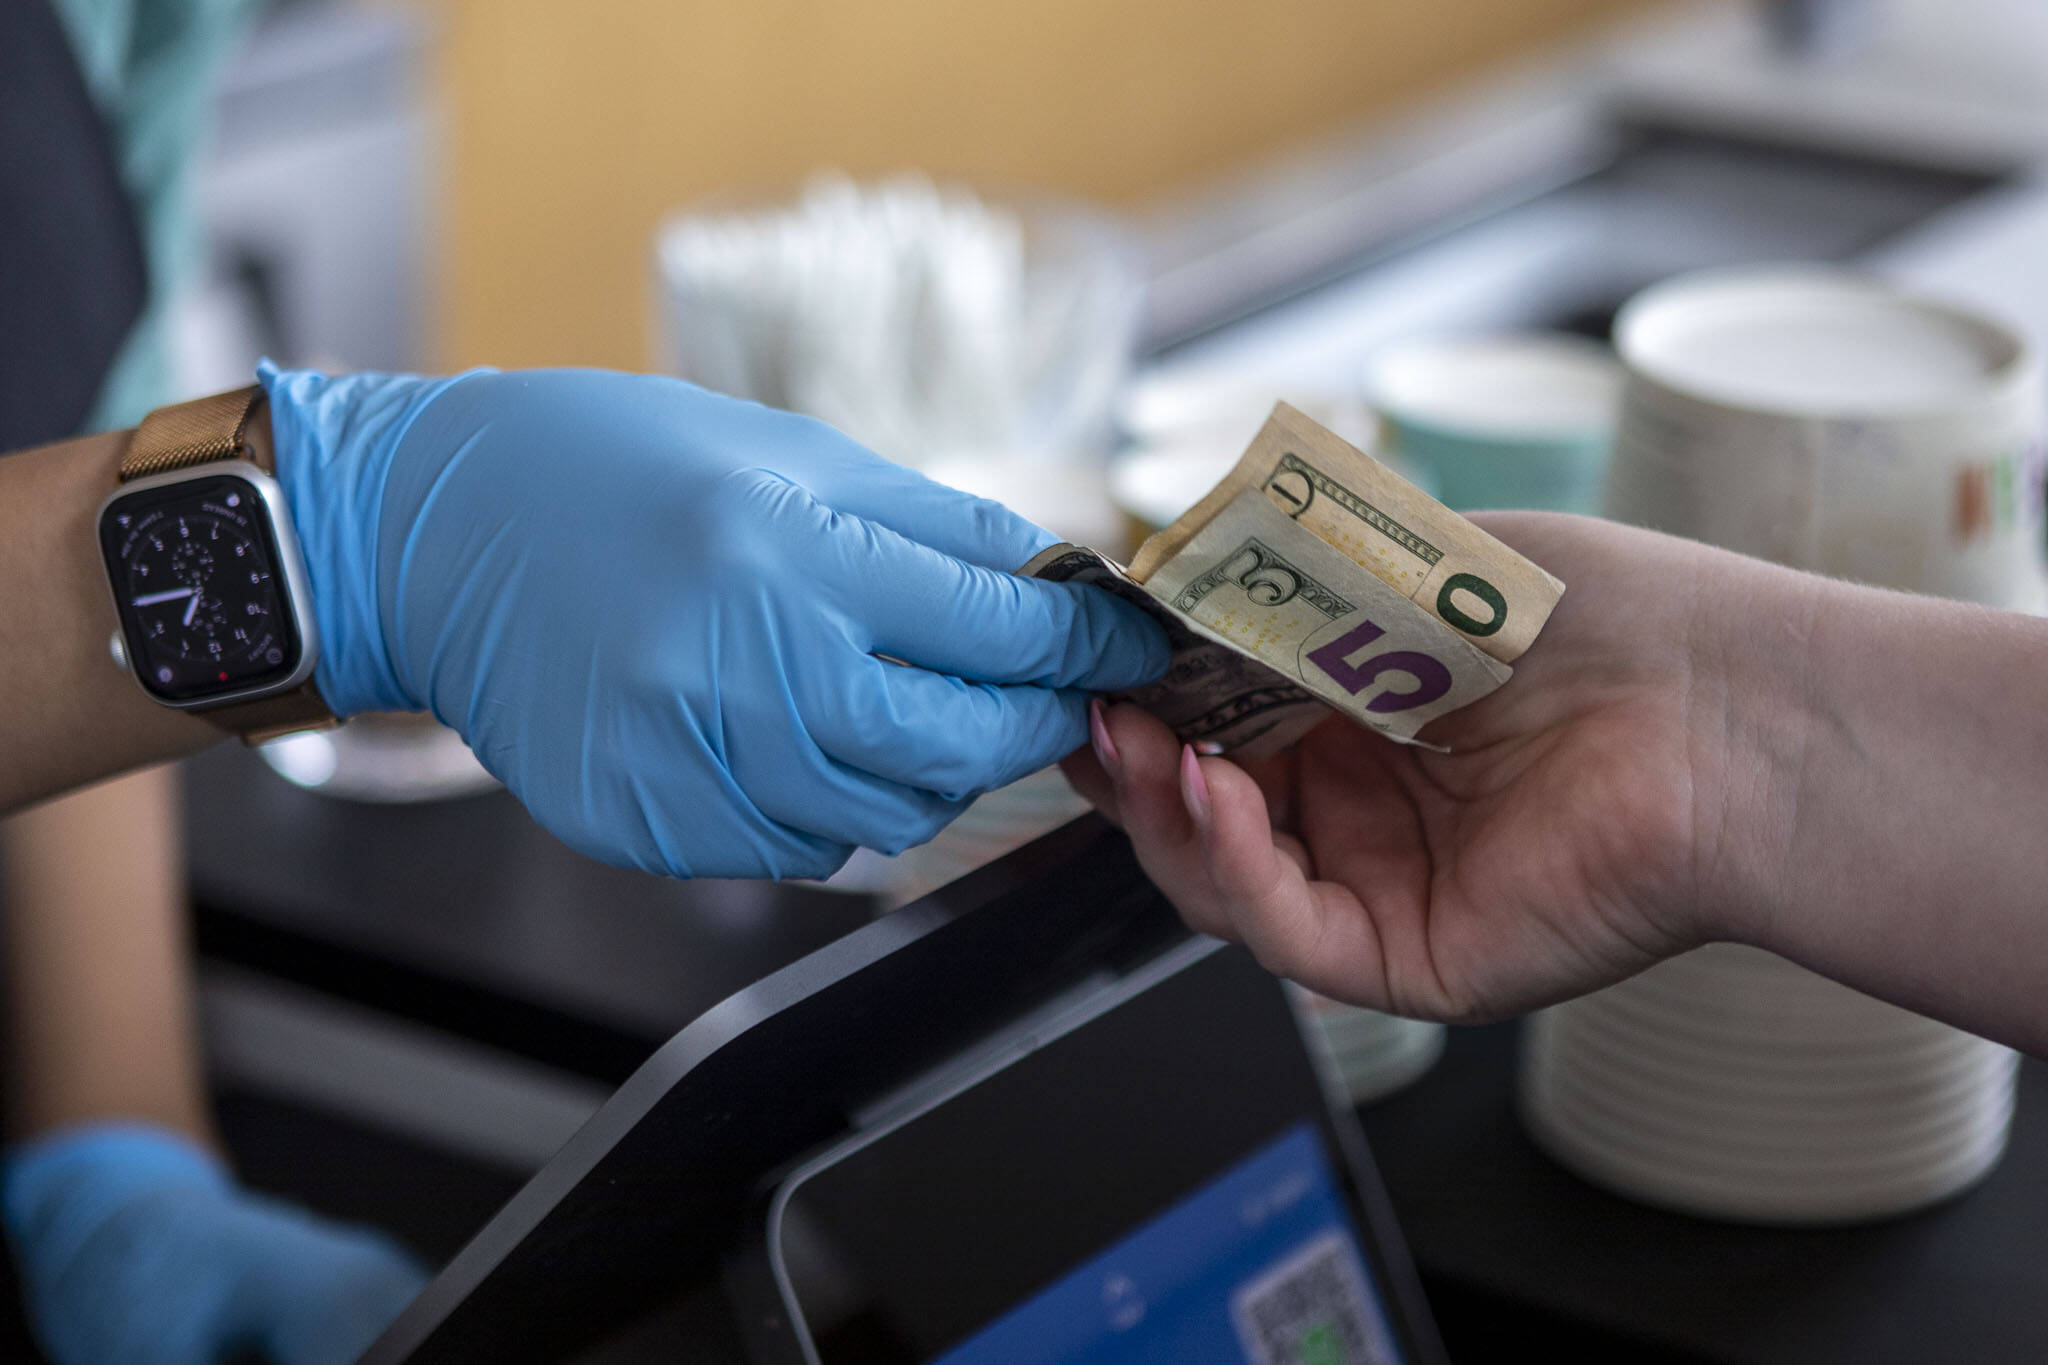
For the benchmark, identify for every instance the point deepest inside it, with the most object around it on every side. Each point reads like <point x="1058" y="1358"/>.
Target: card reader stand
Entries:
<point x="649" y="1204"/>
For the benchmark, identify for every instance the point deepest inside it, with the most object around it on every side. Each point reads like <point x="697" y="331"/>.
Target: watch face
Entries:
<point x="196" y="582"/>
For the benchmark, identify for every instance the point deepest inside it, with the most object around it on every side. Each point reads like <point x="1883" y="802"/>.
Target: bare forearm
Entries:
<point x="70" y="716"/>
<point x="98" y="975"/>
<point x="1910" y="814"/>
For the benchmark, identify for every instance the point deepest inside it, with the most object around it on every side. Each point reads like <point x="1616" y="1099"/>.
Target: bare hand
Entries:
<point x="1572" y="836"/>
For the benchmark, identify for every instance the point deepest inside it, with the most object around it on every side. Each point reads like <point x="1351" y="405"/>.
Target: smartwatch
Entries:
<point x="209" y="587"/>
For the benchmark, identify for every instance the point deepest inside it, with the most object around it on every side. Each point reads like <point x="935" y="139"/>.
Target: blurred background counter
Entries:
<point x="456" y="183"/>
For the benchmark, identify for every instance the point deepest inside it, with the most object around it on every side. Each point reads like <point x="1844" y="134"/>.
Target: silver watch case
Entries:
<point x="298" y="593"/>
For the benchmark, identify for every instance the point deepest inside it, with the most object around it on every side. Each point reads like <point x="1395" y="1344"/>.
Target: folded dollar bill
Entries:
<point x="1314" y="577"/>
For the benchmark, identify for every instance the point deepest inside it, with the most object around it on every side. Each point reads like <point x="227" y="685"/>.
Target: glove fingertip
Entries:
<point x="1009" y="539"/>
<point x="1046" y="724"/>
<point x="1127" y="647"/>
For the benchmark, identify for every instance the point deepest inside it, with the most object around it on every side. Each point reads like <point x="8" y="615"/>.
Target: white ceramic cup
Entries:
<point x="1836" y="423"/>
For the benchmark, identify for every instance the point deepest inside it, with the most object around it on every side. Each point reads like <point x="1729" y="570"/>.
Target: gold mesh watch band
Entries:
<point x="212" y="428"/>
<point x="198" y="432"/>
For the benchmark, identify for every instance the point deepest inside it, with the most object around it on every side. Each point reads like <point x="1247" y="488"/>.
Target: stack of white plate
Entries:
<point x="1731" y="1083"/>
<point x="1375" y="1054"/>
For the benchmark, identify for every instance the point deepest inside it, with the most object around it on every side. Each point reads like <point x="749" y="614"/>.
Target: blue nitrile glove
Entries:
<point x="654" y="612"/>
<point x="135" y="1247"/>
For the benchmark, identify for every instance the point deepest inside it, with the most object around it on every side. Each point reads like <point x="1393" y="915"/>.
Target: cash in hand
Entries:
<point x="1313" y="577"/>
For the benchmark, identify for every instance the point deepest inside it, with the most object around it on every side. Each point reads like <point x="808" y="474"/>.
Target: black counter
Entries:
<point x="467" y="916"/>
<point x="1514" y="1245"/>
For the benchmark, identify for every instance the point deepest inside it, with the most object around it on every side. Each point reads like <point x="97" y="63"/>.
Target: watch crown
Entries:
<point x="118" y="647"/>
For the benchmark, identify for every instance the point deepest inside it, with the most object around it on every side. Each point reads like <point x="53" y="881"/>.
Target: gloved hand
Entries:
<point x="655" y="613"/>
<point x="136" y="1247"/>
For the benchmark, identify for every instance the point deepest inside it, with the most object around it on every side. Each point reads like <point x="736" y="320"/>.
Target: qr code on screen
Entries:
<point x="1313" y="1309"/>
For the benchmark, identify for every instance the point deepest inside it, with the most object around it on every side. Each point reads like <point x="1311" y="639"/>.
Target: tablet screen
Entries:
<point x="1162" y="1182"/>
<point x="1261" y="1266"/>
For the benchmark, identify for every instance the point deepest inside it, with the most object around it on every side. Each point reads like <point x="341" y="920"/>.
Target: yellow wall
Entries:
<point x="576" y="124"/>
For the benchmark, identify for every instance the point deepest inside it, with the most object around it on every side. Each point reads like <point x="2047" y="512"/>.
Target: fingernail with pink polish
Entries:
<point x="1194" y="788"/>
<point x="1098" y="735"/>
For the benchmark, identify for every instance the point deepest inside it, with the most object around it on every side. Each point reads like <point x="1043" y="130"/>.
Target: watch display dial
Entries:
<point x="194" y="569"/>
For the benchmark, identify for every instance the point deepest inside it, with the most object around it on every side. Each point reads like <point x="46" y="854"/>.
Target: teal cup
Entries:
<point x="1506" y="420"/>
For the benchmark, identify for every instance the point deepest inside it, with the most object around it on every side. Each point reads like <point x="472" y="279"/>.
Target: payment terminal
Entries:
<point x="1030" y="1119"/>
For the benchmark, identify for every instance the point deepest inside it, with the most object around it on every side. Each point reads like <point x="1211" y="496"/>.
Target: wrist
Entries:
<point x="333" y="454"/>
<point x="257" y="435"/>
<point x="1755" y="724"/>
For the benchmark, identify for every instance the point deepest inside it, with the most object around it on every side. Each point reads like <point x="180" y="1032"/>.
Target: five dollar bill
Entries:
<point x="1314" y="577"/>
